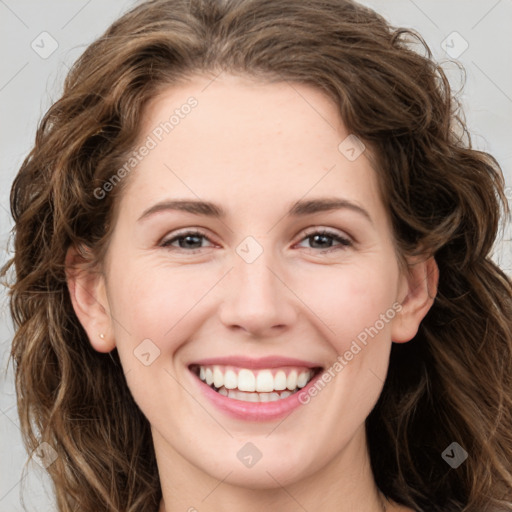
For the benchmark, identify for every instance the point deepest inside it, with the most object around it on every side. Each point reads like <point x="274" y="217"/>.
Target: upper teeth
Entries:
<point x="260" y="380"/>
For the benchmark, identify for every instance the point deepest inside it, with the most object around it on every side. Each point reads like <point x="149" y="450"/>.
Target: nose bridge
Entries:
<point x="255" y="297"/>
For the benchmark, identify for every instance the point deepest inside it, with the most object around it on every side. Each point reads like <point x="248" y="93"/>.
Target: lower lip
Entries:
<point x="255" y="411"/>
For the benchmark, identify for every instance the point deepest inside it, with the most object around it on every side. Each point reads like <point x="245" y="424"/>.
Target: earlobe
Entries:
<point x="420" y="286"/>
<point x="89" y="299"/>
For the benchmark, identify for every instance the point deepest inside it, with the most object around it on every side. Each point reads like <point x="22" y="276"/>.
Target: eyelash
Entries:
<point x="343" y="242"/>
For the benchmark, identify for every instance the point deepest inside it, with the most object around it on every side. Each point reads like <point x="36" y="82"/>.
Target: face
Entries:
<point x="275" y="293"/>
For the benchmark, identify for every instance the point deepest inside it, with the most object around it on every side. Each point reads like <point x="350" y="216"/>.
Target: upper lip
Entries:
<point x="262" y="362"/>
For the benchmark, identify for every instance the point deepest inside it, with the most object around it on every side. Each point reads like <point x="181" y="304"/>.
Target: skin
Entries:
<point x="254" y="149"/>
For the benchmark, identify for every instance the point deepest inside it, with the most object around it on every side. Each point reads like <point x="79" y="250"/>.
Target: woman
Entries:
<point x="336" y="337"/>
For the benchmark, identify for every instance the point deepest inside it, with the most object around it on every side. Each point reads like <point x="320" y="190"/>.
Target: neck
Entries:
<point x="344" y="484"/>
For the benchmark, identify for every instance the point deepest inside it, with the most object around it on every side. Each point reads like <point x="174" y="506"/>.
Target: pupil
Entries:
<point x="316" y="237"/>
<point x="188" y="237"/>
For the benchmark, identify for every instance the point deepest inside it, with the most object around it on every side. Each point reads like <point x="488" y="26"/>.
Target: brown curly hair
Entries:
<point x="453" y="382"/>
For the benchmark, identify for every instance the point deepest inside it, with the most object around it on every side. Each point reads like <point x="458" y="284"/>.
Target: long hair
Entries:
<point x="451" y="383"/>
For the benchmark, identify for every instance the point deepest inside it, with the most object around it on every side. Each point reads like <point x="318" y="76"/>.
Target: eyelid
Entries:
<point x="328" y="231"/>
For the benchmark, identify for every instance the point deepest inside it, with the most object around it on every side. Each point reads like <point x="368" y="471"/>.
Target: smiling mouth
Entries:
<point x="264" y="385"/>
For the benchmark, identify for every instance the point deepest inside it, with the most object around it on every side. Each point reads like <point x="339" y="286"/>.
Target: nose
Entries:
<point x="257" y="299"/>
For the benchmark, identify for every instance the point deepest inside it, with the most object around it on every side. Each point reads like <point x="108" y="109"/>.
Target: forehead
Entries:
<point x="245" y="143"/>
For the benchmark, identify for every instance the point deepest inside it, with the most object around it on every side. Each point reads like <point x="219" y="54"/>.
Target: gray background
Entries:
<point x="31" y="80"/>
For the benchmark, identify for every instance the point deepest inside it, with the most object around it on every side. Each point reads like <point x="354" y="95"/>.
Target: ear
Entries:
<point x="89" y="299"/>
<point x="418" y="290"/>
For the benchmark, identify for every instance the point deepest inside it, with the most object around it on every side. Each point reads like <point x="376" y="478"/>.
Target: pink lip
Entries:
<point x="254" y="411"/>
<point x="263" y="362"/>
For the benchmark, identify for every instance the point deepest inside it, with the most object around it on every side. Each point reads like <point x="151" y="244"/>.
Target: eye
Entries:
<point x="191" y="241"/>
<point x="322" y="237"/>
<point x="186" y="240"/>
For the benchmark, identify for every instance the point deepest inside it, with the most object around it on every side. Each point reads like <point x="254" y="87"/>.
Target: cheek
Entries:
<point x="361" y="305"/>
<point x="152" y="300"/>
<point x="150" y="310"/>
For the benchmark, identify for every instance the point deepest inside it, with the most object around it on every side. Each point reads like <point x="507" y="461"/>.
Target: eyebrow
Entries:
<point x="298" y="209"/>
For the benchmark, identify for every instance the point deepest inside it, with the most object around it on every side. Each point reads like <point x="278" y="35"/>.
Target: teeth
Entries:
<point x="230" y="380"/>
<point x="246" y="381"/>
<point x="291" y="381"/>
<point x="264" y="397"/>
<point x="209" y="376"/>
<point x="265" y="381"/>
<point x="280" y="381"/>
<point x="218" y="378"/>
<point x="259" y="385"/>
<point x="302" y="380"/>
<point x="254" y="397"/>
